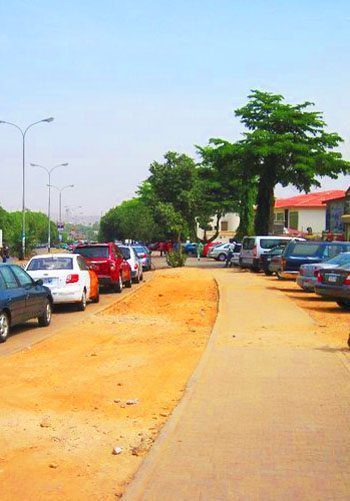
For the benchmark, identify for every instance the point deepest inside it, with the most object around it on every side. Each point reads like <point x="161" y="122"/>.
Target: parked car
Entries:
<point x="134" y="261"/>
<point x="308" y="273"/>
<point x="190" y="248"/>
<point x="299" y="253"/>
<point x="144" y="255"/>
<point x="67" y="276"/>
<point x="108" y="262"/>
<point x="335" y="283"/>
<point x="21" y="299"/>
<point x="254" y="247"/>
<point x="268" y="262"/>
<point x="208" y="246"/>
<point x="219" y="252"/>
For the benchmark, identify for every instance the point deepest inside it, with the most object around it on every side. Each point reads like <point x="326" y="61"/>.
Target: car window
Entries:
<point x="125" y="252"/>
<point x="50" y="263"/>
<point x="22" y="276"/>
<point x="341" y="259"/>
<point x="2" y="283"/>
<point x="331" y="251"/>
<point x="248" y="243"/>
<point x="93" y="251"/>
<point x="82" y="263"/>
<point x="8" y="277"/>
<point x="303" y="249"/>
<point x="269" y="243"/>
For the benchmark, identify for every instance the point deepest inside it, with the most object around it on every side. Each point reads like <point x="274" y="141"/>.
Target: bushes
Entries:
<point x="176" y="258"/>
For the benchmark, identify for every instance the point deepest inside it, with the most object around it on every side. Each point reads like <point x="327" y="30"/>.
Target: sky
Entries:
<point x="128" y="81"/>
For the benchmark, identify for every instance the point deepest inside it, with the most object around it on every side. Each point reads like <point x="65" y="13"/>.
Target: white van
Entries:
<point x="254" y="247"/>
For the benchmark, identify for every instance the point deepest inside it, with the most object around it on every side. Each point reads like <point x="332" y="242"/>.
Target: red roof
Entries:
<point x="309" y="200"/>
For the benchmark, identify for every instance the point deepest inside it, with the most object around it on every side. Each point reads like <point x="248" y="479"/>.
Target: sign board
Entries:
<point x="60" y="227"/>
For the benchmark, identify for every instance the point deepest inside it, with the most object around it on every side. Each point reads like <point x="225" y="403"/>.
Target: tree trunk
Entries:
<point x="246" y="212"/>
<point x="265" y="202"/>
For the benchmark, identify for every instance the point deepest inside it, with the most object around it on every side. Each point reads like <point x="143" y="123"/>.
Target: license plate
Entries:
<point x="332" y="278"/>
<point x="49" y="280"/>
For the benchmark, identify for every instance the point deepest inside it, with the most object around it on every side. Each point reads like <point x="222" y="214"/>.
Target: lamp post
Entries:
<point x="24" y="133"/>
<point x="60" y="197"/>
<point x="49" y="172"/>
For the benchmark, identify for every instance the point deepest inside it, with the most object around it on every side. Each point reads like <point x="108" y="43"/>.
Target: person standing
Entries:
<point x="199" y="250"/>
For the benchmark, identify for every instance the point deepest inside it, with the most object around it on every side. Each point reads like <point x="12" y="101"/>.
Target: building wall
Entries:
<point x="334" y="213"/>
<point x="314" y="218"/>
<point x="232" y="220"/>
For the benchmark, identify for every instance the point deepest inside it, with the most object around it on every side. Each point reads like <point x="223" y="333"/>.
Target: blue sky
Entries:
<point x="128" y="81"/>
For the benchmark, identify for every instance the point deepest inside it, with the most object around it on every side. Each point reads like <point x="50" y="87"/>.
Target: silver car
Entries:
<point x="219" y="252"/>
<point x="307" y="277"/>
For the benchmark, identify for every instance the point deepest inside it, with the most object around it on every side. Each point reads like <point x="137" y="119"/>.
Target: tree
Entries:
<point x="288" y="144"/>
<point x="170" y="192"/>
<point x="132" y="219"/>
<point x="228" y="184"/>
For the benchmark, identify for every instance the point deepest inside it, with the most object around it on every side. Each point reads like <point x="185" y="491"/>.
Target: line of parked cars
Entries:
<point x="61" y="278"/>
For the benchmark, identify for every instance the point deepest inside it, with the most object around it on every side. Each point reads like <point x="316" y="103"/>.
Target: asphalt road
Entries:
<point x="24" y="336"/>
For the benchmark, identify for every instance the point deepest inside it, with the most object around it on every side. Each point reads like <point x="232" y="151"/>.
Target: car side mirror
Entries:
<point x="39" y="282"/>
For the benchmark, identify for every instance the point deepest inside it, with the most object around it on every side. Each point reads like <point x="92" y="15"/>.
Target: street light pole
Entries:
<point x="60" y="197"/>
<point x="24" y="133"/>
<point x="49" y="172"/>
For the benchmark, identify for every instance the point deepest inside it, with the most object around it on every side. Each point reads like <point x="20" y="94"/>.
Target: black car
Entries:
<point x="334" y="283"/>
<point x="21" y="299"/>
<point x="298" y="253"/>
<point x="265" y="259"/>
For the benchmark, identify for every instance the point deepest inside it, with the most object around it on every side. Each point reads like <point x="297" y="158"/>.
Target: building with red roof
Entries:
<point x="305" y="211"/>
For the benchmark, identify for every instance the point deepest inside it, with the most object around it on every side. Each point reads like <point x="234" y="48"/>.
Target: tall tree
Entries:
<point x="228" y="184"/>
<point x="289" y="145"/>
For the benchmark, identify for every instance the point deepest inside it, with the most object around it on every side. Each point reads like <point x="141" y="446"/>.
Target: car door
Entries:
<point x="14" y="296"/>
<point x="85" y="275"/>
<point x="121" y="263"/>
<point x="33" y="293"/>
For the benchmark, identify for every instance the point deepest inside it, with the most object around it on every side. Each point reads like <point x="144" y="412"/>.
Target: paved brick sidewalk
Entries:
<point x="266" y="415"/>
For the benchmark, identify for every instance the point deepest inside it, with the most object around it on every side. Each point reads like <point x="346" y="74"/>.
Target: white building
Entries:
<point x="228" y="225"/>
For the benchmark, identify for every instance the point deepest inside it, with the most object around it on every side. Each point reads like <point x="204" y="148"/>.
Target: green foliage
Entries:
<point x="36" y="230"/>
<point x="176" y="258"/>
<point x="131" y="219"/>
<point x="288" y="144"/>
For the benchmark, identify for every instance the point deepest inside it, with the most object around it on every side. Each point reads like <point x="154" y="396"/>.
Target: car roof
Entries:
<point x="56" y="254"/>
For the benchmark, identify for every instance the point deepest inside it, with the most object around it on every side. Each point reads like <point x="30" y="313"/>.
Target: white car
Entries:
<point x="135" y="262"/>
<point x="219" y="252"/>
<point x="67" y="276"/>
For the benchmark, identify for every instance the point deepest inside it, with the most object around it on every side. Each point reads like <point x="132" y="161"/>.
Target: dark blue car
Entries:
<point x="21" y="299"/>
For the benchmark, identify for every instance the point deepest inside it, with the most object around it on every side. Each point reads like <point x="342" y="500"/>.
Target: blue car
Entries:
<point x="21" y="299"/>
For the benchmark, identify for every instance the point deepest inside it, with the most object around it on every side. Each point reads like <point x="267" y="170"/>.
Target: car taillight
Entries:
<point x="319" y="277"/>
<point x="316" y="273"/>
<point x="136" y="266"/>
<point x="254" y="251"/>
<point x="347" y="280"/>
<point x="142" y="255"/>
<point x="72" y="279"/>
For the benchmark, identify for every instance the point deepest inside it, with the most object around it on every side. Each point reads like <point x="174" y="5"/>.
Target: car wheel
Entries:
<point x="119" y="285"/>
<point x="96" y="299"/>
<point x="45" y="319"/>
<point x="141" y="277"/>
<point x="128" y="283"/>
<point x="344" y="304"/>
<point x="136" y="279"/>
<point x="4" y="326"/>
<point x="268" y="273"/>
<point x="221" y="257"/>
<point x="82" y="302"/>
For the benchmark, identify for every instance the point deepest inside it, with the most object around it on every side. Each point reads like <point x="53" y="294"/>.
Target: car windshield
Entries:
<point x="248" y="243"/>
<point x="125" y="251"/>
<point x="51" y="263"/>
<point x="93" y="251"/>
<point x="140" y="250"/>
<point x="340" y="260"/>
<point x="269" y="243"/>
<point x="303" y="249"/>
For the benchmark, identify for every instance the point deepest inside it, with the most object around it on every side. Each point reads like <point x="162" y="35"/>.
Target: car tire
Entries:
<point x="4" y="326"/>
<point x="96" y="299"/>
<point x="344" y="304"/>
<point x="128" y="283"/>
<point x="82" y="302"/>
<point x="45" y="319"/>
<point x="268" y="273"/>
<point x="119" y="285"/>
<point x="221" y="257"/>
<point x="136" y="279"/>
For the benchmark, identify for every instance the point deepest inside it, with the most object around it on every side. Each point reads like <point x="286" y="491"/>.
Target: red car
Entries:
<point x="208" y="247"/>
<point x="108" y="262"/>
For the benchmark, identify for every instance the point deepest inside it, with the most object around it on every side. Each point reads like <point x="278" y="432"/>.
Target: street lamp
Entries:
<point x="49" y="172"/>
<point x="24" y="133"/>
<point x="60" y="199"/>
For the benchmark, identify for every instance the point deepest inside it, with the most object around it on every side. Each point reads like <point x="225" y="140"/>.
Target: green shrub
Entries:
<point x="176" y="258"/>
